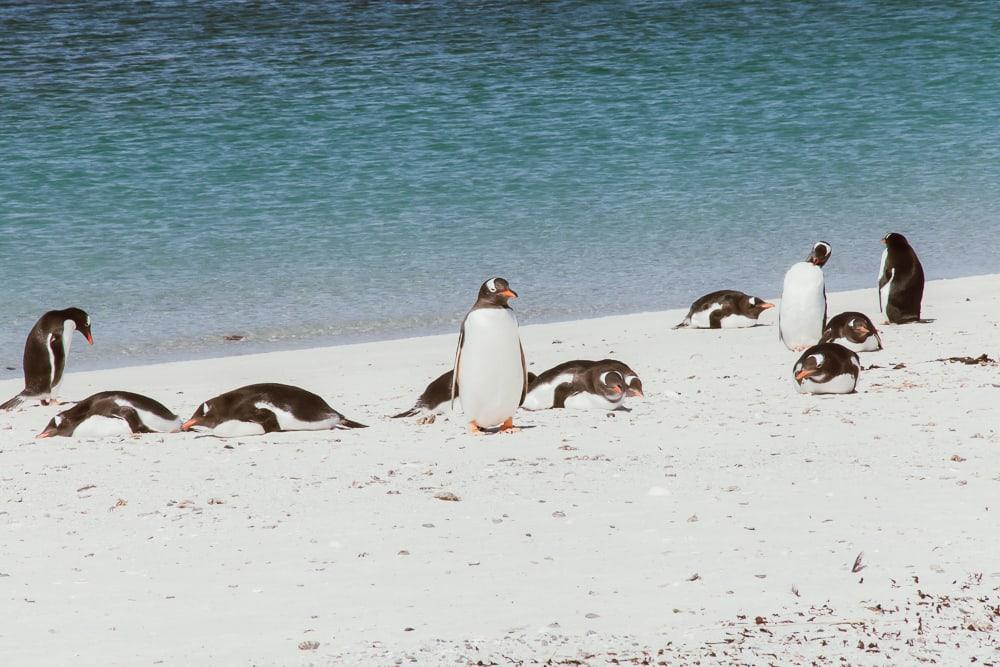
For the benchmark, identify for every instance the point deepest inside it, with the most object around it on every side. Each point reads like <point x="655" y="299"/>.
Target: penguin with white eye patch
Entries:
<point x="489" y="362"/>
<point x="826" y="368"/>
<point x="110" y="413"/>
<point x="802" y="311"/>
<point x="725" y="309"/>
<point x="46" y="352"/>
<point x="583" y="385"/>
<point x="265" y="408"/>
<point x="853" y="330"/>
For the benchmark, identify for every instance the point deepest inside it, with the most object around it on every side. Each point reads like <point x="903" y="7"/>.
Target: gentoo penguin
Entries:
<point x="264" y="408"/>
<point x="45" y="354"/>
<point x="854" y="331"/>
<point x="900" y="281"/>
<point x="802" y="312"/>
<point x="725" y="309"/>
<point x="113" y="413"/>
<point x="437" y="395"/>
<point x="827" y="368"/>
<point x="489" y="361"/>
<point x="583" y="385"/>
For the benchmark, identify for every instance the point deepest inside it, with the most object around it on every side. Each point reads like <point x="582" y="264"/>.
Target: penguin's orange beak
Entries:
<point x="90" y="339"/>
<point x="863" y="330"/>
<point x="616" y="389"/>
<point x="636" y="392"/>
<point x="509" y="293"/>
<point x="804" y="373"/>
<point x="766" y="306"/>
<point x="186" y="426"/>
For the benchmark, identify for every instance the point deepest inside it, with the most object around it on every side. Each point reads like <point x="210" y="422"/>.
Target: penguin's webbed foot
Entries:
<point x="474" y="428"/>
<point x="508" y="426"/>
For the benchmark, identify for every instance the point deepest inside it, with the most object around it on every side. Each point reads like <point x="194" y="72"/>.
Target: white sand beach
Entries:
<point x="719" y="520"/>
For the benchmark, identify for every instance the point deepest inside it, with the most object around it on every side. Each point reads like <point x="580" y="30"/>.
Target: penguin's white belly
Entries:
<point x="289" y="422"/>
<point x="841" y="384"/>
<point x="703" y="318"/>
<point x="735" y="321"/>
<point x="152" y="421"/>
<point x="884" y="290"/>
<point x="490" y="375"/>
<point x="69" y="326"/>
<point x="99" y="426"/>
<point x="803" y="305"/>
<point x="236" y="429"/>
<point x="587" y="401"/>
<point x="542" y="396"/>
<point x="870" y="344"/>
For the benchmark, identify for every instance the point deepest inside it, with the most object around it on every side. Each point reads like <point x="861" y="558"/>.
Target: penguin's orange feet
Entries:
<point x="474" y="428"/>
<point x="508" y="426"/>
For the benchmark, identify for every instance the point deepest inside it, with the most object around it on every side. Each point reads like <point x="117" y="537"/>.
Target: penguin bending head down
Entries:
<point x="802" y="311"/>
<point x="46" y="352"/>
<point x="112" y="413"/>
<point x="900" y="281"/>
<point x="725" y="309"/>
<point x="437" y="395"/>
<point x="489" y="361"/>
<point x="265" y="408"/>
<point x="827" y="368"/>
<point x="854" y="331"/>
<point x="583" y="385"/>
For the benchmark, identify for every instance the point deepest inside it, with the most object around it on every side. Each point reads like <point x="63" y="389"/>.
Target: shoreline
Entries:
<point x="721" y="497"/>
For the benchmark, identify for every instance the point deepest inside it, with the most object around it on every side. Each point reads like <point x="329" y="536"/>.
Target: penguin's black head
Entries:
<point x="82" y="321"/>
<point x="633" y="385"/>
<point x="894" y="240"/>
<point x="860" y="329"/>
<point x="612" y="385"/>
<point x="753" y="306"/>
<point x="810" y="365"/>
<point x="820" y="253"/>
<point x="205" y="418"/>
<point x="495" y="292"/>
<point x="58" y="425"/>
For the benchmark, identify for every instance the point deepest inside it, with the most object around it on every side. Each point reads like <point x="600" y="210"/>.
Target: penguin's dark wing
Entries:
<point x="37" y="362"/>
<point x="562" y="392"/>
<point x="129" y="414"/>
<point x="266" y="419"/>
<point x="524" y="374"/>
<point x="458" y="363"/>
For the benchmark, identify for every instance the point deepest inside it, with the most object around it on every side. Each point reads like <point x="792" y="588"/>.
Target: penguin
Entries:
<point x="854" y="331"/>
<point x="802" y="311"/>
<point x="265" y="408"/>
<point x="583" y="385"/>
<point x="489" y="361"/>
<point x="725" y="309"/>
<point x="45" y="354"/>
<point x="827" y="368"/>
<point x="900" y="281"/>
<point x="437" y="395"/>
<point x="112" y="413"/>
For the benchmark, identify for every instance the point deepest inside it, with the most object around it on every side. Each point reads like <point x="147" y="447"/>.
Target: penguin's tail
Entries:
<point x="13" y="403"/>
<point x="686" y="322"/>
<point x="349" y="423"/>
<point x="412" y="412"/>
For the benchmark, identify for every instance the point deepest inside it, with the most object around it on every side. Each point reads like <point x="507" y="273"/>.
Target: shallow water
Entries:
<point x="346" y="171"/>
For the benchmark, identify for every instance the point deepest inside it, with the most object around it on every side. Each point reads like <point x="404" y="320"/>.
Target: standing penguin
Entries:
<point x="45" y="354"/>
<point x="802" y="311"/>
<point x="489" y="362"/>
<point x="900" y="281"/>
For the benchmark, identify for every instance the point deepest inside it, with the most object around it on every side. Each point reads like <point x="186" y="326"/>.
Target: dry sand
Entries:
<point x="718" y="521"/>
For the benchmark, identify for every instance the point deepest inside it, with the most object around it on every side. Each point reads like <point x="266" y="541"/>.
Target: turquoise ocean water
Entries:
<point x="324" y="172"/>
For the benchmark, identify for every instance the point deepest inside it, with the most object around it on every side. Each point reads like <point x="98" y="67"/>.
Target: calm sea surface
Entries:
<point x="316" y="173"/>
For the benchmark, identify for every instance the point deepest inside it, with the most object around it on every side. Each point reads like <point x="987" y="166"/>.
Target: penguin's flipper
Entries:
<point x="531" y="379"/>
<point x="560" y="395"/>
<point x="129" y="415"/>
<point x="13" y="403"/>
<point x="524" y="374"/>
<point x="267" y="419"/>
<point x="350" y="423"/>
<point x="458" y="363"/>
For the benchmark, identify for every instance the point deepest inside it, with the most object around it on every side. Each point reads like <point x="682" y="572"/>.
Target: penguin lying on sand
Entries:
<point x="113" y="413"/>
<point x="827" y="368"/>
<point x="725" y="309"/>
<point x="583" y="385"/>
<point x="854" y="331"/>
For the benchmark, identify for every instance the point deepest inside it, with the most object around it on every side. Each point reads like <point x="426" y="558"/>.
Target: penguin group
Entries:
<point x="829" y="362"/>
<point x="489" y="376"/>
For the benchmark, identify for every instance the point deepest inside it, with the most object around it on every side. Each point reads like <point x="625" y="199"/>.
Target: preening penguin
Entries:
<point x="725" y="309"/>
<point x="855" y="331"/>
<point x="113" y="413"/>
<point x="489" y="361"/>
<point x="46" y="352"/>
<point x="583" y="385"/>
<point x="827" y="368"/>
<point x="802" y="311"/>
<point x="265" y="408"/>
<point x="900" y="281"/>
